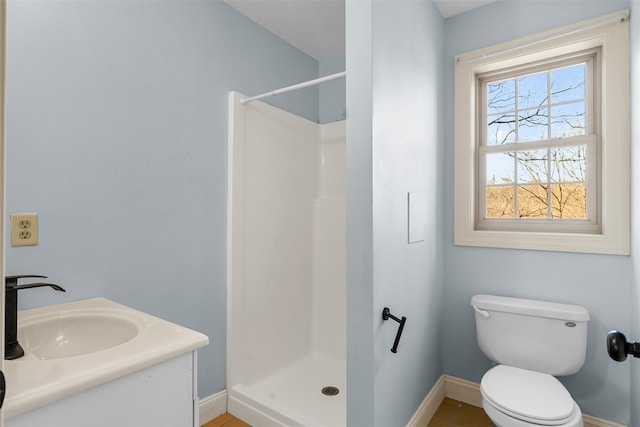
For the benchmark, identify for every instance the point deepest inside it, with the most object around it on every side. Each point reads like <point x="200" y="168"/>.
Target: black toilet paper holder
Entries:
<point x="618" y="347"/>
<point x="386" y="315"/>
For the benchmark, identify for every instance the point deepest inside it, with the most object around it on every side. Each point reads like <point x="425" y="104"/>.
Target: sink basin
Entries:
<point x="62" y="335"/>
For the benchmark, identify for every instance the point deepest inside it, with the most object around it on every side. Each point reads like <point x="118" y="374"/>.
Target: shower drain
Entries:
<point x="330" y="390"/>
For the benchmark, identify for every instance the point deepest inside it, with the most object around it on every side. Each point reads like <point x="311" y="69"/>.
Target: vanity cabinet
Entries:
<point x="160" y="395"/>
<point x="97" y="363"/>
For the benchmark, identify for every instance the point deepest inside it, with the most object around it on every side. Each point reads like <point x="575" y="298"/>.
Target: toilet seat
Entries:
<point x="529" y="396"/>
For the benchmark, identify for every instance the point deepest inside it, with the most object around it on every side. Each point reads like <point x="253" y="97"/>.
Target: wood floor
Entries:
<point x="226" y="420"/>
<point x="450" y="413"/>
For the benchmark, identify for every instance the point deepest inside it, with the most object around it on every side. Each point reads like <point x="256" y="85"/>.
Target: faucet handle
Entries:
<point x="11" y="281"/>
<point x="39" y="285"/>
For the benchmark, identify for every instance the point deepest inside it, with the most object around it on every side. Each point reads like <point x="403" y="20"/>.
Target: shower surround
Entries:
<point x="286" y="333"/>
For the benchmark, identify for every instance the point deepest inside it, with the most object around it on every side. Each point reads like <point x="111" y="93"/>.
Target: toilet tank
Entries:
<point x="536" y="335"/>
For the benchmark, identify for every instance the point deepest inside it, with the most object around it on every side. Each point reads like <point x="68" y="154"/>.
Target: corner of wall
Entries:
<point x="635" y="208"/>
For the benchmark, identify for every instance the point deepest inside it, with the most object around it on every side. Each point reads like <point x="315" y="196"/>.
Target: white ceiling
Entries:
<point x="316" y="27"/>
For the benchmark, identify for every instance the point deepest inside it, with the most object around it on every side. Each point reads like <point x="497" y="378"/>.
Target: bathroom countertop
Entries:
<point x="32" y="382"/>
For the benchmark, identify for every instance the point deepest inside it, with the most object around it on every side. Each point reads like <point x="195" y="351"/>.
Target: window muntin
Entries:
<point x="537" y="153"/>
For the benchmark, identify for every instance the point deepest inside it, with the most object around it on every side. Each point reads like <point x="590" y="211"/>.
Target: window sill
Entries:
<point x="612" y="244"/>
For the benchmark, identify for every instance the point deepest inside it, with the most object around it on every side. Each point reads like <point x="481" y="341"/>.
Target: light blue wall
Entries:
<point x="394" y="147"/>
<point x="407" y="157"/>
<point x="601" y="283"/>
<point x="635" y="209"/>
<point x="360" y="316"/>
<point x="332" y="94"/>
<point x="117" y="137"/>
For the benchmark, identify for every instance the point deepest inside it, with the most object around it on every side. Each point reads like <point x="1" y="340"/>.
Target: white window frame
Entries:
<point x="611" y="232"/>
<point x="590" y="140"/>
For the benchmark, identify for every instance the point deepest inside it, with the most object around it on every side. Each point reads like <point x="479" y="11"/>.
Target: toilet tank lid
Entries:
<point x="530" y="307"/>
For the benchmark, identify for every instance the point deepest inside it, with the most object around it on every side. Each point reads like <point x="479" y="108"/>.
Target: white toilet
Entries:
<point x="531" y="342"/>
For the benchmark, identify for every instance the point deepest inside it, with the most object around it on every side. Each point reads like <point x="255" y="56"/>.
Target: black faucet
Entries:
<point x="12" y="348"/>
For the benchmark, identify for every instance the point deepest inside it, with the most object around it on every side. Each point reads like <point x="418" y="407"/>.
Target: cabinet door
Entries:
<point x="158" y="396"/>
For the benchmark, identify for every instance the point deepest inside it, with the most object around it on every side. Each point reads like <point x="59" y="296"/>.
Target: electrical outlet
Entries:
<point x="24" y="229"/>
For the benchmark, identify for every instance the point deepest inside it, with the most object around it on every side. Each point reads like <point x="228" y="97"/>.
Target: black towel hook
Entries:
<point x="386" y="315"/>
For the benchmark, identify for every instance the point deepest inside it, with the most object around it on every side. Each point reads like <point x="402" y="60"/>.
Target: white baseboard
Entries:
<point x="469" y="392"/>
<point x="213" y="406"/>
<point x="590" y="421"/>
<point x="462" y="390"/>
<point x="429" y="405"/>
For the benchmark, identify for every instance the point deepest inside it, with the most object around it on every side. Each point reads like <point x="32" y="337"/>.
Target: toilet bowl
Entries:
<point x="514" y="397"/>
<point x="530" y="342"/>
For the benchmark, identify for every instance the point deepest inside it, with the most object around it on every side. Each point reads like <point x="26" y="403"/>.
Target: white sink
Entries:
<point x="61" y="335"/>
<point x="72" y="347"/>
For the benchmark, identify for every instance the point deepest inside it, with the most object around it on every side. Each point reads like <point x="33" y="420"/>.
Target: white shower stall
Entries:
<point x="286" y="330"/>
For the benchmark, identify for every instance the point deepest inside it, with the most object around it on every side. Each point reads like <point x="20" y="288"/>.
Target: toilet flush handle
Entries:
<point x="482" y="313"/>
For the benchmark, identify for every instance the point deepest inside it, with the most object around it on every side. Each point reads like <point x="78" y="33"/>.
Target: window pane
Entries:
<point x="569" y="201"/>
<point x="500" y="188"/>
<point x="569" y="164"/>
<point x="500" y="168"/>
<point x="532" y="166"/>
<point x="501" y="96"/>
<point x="500" y="201"/>
<point x="568" y="120"/>
<point x="533" y="125"/>
<point x="532" y="201"/>
<point x="568" y="84"/>
<point x="532" y="91"/>
<point x="501" y="129"/>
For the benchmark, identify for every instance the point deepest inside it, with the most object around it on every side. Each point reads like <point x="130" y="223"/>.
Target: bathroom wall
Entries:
<point x="394" y="147"/>
<point x="332" y="104"/>
<point x="360" y="357"/>
<point x="635" y="212"/>
<point x="602" y="284"/>
<point x="117" y="137"/>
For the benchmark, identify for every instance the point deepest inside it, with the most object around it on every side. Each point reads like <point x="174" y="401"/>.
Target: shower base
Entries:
<point x="293" y="396"/>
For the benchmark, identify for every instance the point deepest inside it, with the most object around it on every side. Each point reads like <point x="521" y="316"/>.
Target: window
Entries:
<point x="542" y="142"/>
<point x="537" y="147"/>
